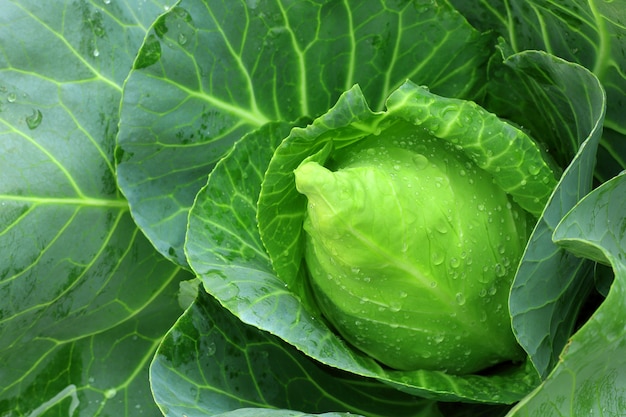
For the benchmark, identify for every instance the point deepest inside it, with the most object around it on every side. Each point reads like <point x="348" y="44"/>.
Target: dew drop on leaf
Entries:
<point x="420" y="161"/>
<point x="460" y="298"/>
<point x="500" y="270"/>
<point x="437" y="258"/>
<point x="110" y="393"/>
<point x="182" y="39"/>
<point x="34" y="120"/>
<point x="441" y="227"/>
<point x="11" y="97"/>
<point x="449" y="111"/>
<point x="395" y="306"/>
<point x="533" y="169"/>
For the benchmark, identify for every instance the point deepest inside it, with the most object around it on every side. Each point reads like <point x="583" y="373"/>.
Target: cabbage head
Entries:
<point x="414" y="222"/>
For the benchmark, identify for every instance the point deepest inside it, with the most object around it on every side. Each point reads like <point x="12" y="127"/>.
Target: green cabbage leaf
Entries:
<point x="135" y="142"/>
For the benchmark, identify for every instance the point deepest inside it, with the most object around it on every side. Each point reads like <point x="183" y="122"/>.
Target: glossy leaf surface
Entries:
<point x="590" y="33"/>
<point x="545" y="311"/>
<point x="84" y="296"/>
<point x="210" y="364"/>
<point x="584" y="381"/>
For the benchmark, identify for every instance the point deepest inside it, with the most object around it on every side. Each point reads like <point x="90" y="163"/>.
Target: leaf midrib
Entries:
<point x="117" y="203"/>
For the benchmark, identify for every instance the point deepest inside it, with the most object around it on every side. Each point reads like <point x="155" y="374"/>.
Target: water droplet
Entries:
<point x="110" y="393"/>
<point x="395" y="306"/>
<point x="210" y="349"/>
<point x="433" y="284"/>
<point x="438" y="338"/>
<point x="500" y="270"/>
<point x="420" y="161"/>
<point x="534" y="169"/>
<point x="182" y="39"/>
<point x="460" y="298"/>
<point x="441" y="227"/>
<point x="403" y="294"/>
<point x="96" y="53"/>
<point x="437" y="258"/>
<point x="34" y="120"/>
<point x="107" y="1"/>
<point x="449" y="112"/>
<point x="455" y="262"/>
<point x="11" y="97"/>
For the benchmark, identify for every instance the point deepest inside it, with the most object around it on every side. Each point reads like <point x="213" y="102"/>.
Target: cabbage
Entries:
<point x="411" y="248"/>
<point x="411" y="252"/>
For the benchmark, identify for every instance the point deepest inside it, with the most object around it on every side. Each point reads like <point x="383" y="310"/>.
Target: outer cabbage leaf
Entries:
<point x="544" y="310"/>
<point x="84" y="297"/>
<point x="209" y="72"/>
<point x="210" y="364"/>
<point x="590" y="33"/>
<point x="590" y="377"/>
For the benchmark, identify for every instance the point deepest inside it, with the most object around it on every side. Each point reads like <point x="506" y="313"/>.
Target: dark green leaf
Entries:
<point x="79" y="284"/>
<point x="551" y="285"/>
<point x="209" y="364"/>
<point x="590" y="33"/>
<point x="93" y="374"/>
<point x="590" y="377"/>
